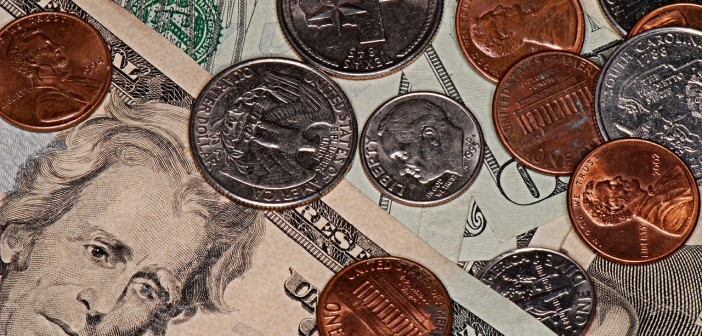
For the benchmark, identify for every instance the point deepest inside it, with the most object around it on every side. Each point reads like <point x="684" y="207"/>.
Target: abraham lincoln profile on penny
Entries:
<point x="504" y="29"/>
<point x="667" y="204"/>
<point x="58" y="95"/>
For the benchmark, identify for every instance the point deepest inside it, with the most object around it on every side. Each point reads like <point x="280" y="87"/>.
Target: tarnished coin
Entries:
<point x="673" y="15"/>
<point x="651" y="88"/>
<point x="544" y="113"/>
<point x="633" y="201"/>
<point x="273" y="133"/>
<point x="624" y="14"/>
<point x="546" y="284"/>
<point x="55" y="70"/>
<point x="359" y="39"/>
<point x="494" y="35"/>
<point x="384" y="296"/>
<point x="422" y="148"/>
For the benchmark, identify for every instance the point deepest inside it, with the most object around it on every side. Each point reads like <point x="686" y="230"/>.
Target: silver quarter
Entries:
<point x="651" y="88"/>
<point x="422" y="149"/>
<point x="273" y="133"/>
<point x="546" y="284"/>
<point x="359" y="38"/>
<point x="624" y="14"/>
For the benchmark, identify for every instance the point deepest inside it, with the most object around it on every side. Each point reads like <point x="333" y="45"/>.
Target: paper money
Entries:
<point x="123" y="256"/>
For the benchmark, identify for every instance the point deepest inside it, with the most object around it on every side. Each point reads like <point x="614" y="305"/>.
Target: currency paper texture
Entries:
<point x="109" y="229"/>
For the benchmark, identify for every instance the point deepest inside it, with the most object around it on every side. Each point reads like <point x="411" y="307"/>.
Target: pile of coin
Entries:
<point x="277" y="134"/>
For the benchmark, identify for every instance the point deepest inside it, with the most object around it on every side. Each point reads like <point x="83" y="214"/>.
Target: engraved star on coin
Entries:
<point x="333" y="13"/>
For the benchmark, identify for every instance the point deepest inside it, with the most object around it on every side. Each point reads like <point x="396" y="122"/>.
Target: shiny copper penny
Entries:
<point x="544" y="113"/>
<point x="384" y="296"/>
<point x="673" y="15"/>
<point x="55" y="71"/>
<point x="494" y="35"/>
<point x="633" y="201"/>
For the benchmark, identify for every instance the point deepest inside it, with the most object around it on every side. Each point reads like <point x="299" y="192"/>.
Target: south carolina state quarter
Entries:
<point x="273" y="133"/>
<point x="651" y="88"/>
<point x="422" y="149"/>
<point x="360" y="38"/>
<point x="546" y="284"/>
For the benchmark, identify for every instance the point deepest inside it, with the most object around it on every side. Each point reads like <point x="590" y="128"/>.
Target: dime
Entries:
<point x="673" y="15"/>
<point x="494" y="35"/>
<point x="273" y="133"/>
<point x="422" y="148"/>
<point x="546" y="284"/>
<point x="384" y="296"/>
<point x="651" y="88"/>
<point x="624" y="14"/>
<point x="55" y="70"/>
<point x="543" y="111"/>
<point x="359" y="39"/>
<point x="633" y="201"/>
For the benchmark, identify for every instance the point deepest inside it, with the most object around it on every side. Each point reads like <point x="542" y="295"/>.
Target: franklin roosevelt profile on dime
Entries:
<point x="57" y="94"/>
<point x="111" y="230"/>
<point x="494" y="32"/>
<point x="420" y="140"/>
<point x="667" y="204"/>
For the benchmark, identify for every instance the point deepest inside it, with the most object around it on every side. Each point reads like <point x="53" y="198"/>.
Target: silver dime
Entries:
<point x="273" y="133"/>
<point x="422" y="148"/>
<point x="651" y="88"/>
<point x="359" y="38"/>
<point x="546" y="284"/>
<point x="624" y="14"/>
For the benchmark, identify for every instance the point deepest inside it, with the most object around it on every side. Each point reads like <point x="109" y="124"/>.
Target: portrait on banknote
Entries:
<point x="111" y="230"/>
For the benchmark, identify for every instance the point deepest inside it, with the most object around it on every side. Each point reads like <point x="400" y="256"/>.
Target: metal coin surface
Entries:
<point x="651" y="88"/>
<point x="422" y="149"/>
<point x="673" y="15"/>
<point x="359" y="39"/>
<point x="384" y="296"/>
<point x="273" y="133"/>
<point x="544" y="112"/>
<point x="494" y="35"/>
<point x="624" y="14"/>
<point x="634" y="201"/>
<point x="547" y="284"/>
<point x="55" y="70"/>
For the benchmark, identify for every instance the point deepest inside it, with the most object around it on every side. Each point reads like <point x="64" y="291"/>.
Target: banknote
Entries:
<point x="109" y="229"/>
<point x="510" y="197"/>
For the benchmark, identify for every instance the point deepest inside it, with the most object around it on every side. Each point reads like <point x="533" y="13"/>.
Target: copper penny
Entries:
<point x="673" y="15"/>
<point x="544" y="113"/>
<point x="633" y="201"/>
<point x="384" y="296"/>
<point x="55" y="70"/>
<point x="496" y="34"/>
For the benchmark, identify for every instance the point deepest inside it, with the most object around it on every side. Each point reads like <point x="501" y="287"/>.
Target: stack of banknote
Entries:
<point x="135" y="259"/>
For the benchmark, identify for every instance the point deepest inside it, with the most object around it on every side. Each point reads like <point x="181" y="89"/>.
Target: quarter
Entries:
<point x="56" y="70"/>
<point x="633" y="201"/>
<point x="359" y="39"/>
<point x="273" y="133"/>
<point x="384" y="296"/>
<point x="422" y="149"/>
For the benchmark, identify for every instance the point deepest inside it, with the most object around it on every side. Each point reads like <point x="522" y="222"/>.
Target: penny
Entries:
<point x="544" y="113"/>
<point x="624" y="14"/>
<point x="651" y="88"/>
<point x="359" y="39"/>
<point x="273" y="133"/>
<point x="634" y="201"/>
<point x="496" y="35"/>
<point x="422" y="149"/>
<point x="384" y="296"/>
<point x="55" y="70"/>
<point x="673" y="15"/>
<point x="546" y="284"/>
